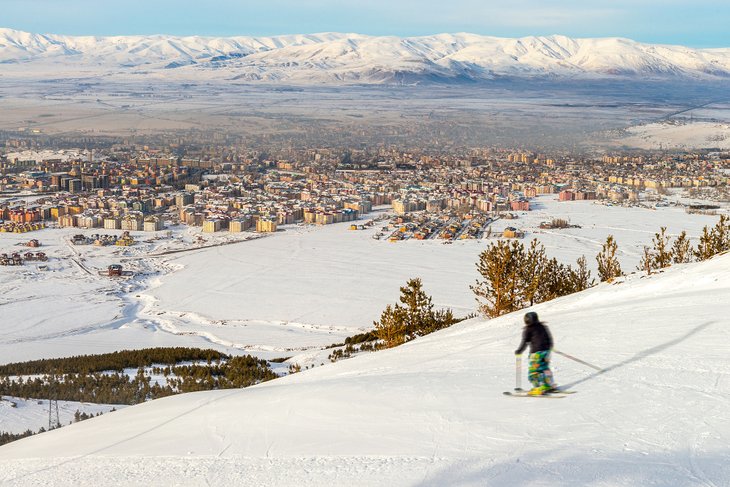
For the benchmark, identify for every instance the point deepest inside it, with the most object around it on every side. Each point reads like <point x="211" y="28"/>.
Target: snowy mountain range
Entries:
<point x="432" y="412"/>
<point x="335" y="58"/>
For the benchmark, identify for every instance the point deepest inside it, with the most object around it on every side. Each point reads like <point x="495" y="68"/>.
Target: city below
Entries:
<point x="229" y="189"/>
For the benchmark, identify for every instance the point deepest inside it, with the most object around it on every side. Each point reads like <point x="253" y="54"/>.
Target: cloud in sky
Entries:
<point x="693" y="22"/>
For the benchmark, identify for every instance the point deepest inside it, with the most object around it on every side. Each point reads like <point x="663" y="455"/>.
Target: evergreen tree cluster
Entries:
<point x="515" y="277"/>
<point x="415" y="316"/>
<point x="351" y="348"/>
<point x="100" y="385"/>
<point x="123" y="359"/>
<point x="664" y="252"/>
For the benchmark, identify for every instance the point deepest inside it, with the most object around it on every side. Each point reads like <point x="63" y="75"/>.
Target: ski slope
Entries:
<point x="432" y="411"/>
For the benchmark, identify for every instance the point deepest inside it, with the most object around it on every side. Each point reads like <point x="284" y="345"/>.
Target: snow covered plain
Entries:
<point x="18" y="415"/>
<point x="68" y="308"/>
<point x="335" y="277"/>
<point x="678" y="135"/>
<point x="286" y="295"/>
<point x="432" y="411"/>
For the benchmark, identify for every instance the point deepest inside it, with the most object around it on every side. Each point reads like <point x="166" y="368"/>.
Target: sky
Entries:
<point x="696" y="23"/>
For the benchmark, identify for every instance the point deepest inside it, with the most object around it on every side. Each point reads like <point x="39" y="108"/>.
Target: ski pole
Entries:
<point x="518" y="372"/>
<point x="577" y="360"/>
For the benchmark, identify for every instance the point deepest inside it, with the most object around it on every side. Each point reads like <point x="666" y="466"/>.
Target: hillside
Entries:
<point x="432" y="413"/>
<point x="336" y="58"/>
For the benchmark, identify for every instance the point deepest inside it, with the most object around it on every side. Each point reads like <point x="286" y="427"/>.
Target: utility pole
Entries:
<point x="53" y="397"/>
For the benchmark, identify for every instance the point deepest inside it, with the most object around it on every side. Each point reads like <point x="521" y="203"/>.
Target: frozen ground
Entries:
<point x="432" y="411"/>
<point x="18" y="415"/>
<point x="288" y="294"/>
<point x="334" y="277"/>
<point x="697" y="135"/>
<point x="69" y="309"/>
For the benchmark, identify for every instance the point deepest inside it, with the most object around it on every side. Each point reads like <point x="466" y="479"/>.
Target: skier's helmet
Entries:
<point x="531" y="318"/>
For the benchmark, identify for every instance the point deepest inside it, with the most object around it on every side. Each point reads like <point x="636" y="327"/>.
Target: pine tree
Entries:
<point x="682" y="249"/>
<point x="555" y="281"/>
<point x="500" y="266"/>
<point x="705" y="249"/>
<point x="608" y="264"/>
<point x="418" y="309"/>
<point x="662" y="251"/>
<point x="648" y="259"/>
<point x="414" y="317"/>
<point x="532" y="272"/>
<point x="721" y="235"/>
<point x="580" y="277"/>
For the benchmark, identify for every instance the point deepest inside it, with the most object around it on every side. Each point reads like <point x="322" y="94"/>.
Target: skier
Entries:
<point x="541" y="343"/>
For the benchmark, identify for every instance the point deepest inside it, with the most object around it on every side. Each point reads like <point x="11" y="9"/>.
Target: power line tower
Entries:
<point x="53" y="398"/>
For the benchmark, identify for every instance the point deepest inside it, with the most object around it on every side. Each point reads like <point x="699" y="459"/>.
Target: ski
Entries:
<point x="558" y="395"/>
<point x="554" y="395"/>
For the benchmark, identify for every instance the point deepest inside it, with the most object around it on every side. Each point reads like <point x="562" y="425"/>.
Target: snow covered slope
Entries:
<point x="18" y="415"/>
<point x="432" y="412"/>
<point x="354" y="58"/>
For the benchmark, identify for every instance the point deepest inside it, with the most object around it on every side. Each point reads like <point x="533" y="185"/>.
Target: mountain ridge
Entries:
<point x="349" y="58"/>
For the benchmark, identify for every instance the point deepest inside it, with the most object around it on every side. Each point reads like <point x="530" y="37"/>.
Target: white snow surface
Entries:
<point x="18" y="415"/>
<point x="432" y="412"/>
<point x="45" y="154"/>
<point x="287" y="295"/>
<point x="337" y="58"/>
<point x="333" y="277"/>
<point x="678" y="135"/>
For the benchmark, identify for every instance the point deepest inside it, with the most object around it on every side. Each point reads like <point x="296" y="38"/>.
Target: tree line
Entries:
<point x="118" y="361"/>
<point x="99" y="385"/>
<point x="516" y="277"/>
<point x="664" y="251"/>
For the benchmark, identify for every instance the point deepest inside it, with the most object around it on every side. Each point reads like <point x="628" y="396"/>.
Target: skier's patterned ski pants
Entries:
<point x="540" y="374"/>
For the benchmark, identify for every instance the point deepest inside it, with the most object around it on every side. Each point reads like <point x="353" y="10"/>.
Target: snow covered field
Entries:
<point x="432" y="411"/>
<point x="696" y="135"/>
<point x="335" y="277"/>
<point x="18" y="415"/>
<point x="69" y="309"/>
<point x="287" y="294"/>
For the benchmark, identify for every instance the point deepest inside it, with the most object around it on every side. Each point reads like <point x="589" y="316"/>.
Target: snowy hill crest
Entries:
<point x="335" y="58"/>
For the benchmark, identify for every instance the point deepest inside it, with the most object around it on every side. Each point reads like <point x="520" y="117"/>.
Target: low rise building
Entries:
<point x="265" y="225"/>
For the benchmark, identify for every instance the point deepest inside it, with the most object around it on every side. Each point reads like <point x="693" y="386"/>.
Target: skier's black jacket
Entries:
<point x="538" y="336"/>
